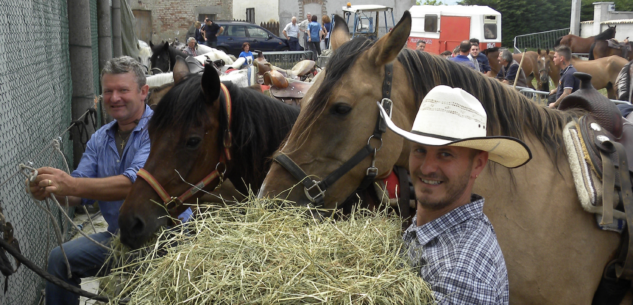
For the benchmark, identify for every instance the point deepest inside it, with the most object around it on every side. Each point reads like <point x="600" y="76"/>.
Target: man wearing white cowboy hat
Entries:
<point x="451" y="240"/>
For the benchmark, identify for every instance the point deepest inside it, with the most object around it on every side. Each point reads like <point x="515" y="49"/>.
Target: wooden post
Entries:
<point x="516" y="78"/>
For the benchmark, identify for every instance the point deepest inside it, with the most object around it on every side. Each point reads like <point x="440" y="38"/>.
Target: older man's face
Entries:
<point x="421" y="47"/>
<point x="191" y="43"/>
<point x="309" y="17"/>
<point x="294" y="20"/>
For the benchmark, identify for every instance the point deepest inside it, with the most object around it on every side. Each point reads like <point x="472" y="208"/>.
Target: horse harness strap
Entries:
<point x="315" y="190"/>
<point x="172" y="203"/>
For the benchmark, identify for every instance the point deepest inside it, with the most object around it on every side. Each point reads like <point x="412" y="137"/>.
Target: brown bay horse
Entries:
<point x="600" y="48"/>
<point x="529" y="66"/>
<point x="201" y="127"/>
<point x="554" y="251"/>
<point x="578" y="44"/>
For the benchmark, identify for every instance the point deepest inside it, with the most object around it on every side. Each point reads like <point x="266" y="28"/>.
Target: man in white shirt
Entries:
<point x="303" y="27"/>
<point x="474" y="52"/>
<point x="291" y="31"/>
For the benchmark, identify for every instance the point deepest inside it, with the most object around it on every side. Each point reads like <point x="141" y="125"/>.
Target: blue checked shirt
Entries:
<point x="459" y="257"/>
<point x="101" y="159"/>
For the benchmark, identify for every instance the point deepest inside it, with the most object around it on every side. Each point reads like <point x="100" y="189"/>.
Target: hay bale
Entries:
<point x="260" y="252"/>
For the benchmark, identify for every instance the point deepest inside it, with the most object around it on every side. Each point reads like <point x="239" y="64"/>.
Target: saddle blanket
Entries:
<point x="588" y="184"/>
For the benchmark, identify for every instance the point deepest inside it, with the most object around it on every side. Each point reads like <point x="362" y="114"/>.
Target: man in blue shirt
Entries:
<point x="462" y="57"/>
<point x="568" y="83"/>
<point x="484" y="64"/>
<point x="450" y="240"/>
<point x="510" y="70"/>
<point x="105" y="173"/>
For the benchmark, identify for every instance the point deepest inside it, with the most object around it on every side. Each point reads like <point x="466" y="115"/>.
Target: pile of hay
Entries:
<point x="260" y="253"/>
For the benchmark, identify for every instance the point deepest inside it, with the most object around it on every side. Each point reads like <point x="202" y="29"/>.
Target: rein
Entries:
<point x="315" y="190"/>
<point x="173" y="203"/>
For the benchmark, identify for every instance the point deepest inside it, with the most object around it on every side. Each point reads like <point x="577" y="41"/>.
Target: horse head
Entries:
<point x="543" y="62"/>
<point x="340" y="118"/>
<point x="186" y="133"/>
<point x="161" y="60"/>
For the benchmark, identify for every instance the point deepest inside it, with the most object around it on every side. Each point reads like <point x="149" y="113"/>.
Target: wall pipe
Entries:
<point x="117" y="44"/>
<point x="105" y="32"/>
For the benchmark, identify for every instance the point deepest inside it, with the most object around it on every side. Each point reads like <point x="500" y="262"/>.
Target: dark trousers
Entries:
<point x="293" y="43"/>
<point x="316" y="48"/>
<point x="212" y="43"/>
<point x="327" y="43"/>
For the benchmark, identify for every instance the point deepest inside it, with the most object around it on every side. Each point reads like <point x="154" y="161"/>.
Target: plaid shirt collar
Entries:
<point x="429" y="231"/>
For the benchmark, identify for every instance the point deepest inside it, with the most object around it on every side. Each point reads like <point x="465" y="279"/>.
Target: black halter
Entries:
<point x="315" y="190"/>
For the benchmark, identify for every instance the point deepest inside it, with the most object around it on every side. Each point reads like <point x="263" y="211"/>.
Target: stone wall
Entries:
<point x="175" y="18"/>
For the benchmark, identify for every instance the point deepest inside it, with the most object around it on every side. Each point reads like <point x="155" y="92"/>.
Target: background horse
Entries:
<point x="554" y="251"/>
<point x="529" y="67"/>
<point x="164" y="57"/>
<point x="578" y="44"/>
<point x="600" y="48"/>
<point x="189" y="131"/>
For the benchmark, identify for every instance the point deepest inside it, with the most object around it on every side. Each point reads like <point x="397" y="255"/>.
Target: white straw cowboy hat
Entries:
<point x="453" y="117"/>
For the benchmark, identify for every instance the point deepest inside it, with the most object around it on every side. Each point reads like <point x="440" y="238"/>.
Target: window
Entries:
<point x="430" y="23"/>
<point x="255" y="32"/>
<point x="235" y="31"/>
<point x="490" y="27"/>
<point x="250" y="15"/>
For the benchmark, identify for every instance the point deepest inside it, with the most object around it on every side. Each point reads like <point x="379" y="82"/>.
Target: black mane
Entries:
<point x="259" y="125"/>
<point x="606" y="34"/>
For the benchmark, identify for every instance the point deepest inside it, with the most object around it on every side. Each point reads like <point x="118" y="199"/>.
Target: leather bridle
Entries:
<point x="173" y="203"/>
<point x="315" y="190"/>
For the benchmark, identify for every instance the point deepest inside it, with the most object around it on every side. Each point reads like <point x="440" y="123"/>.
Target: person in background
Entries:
<point x="510" y="70"/>
<point x="198" y="33"/>
<point x="303" y="28"/>
<point x="420" y="46"/>
<point x="314" y="39"/>
<point x="474" y="52"/>
<point x="455" y="52"/>
<point x="462" y="57"/>
<point x="246" y="53"/>
<point x="567" y="84"/>
<point x="211" y="32"/>
<point x="484" y="64"/>
<point x="191" y="47"/>
<point x="446" y="54"/>
<point x="327" y="26"/>
<point x="291" y="31"/>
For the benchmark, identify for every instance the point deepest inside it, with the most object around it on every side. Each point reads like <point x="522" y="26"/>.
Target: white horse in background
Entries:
<point x="213" y="54"/>
<point x="144" y="53"/>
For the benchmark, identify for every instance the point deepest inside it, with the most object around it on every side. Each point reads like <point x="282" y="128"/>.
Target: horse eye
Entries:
<point x="193" y="142"/>
<point x="341" y="109"/>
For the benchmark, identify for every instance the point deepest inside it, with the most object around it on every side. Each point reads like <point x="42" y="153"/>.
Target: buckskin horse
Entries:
<point x="578" y="44"/>
<point x="554" y="251"/>
<point x="202" y="130"/>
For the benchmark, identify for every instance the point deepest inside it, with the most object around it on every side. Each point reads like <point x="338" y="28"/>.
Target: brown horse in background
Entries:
<point x="578" y="44"/>
<point x="529" y="66"/>
<point x="600" y="48"/>
<point x="554" y="251"/>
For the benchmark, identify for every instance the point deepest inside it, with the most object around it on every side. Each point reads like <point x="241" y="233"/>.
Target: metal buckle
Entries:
<point x="308" y="189"/>
<point x="389" y="103"/>
<point x="173" y="200"/>
<point x="373" y="170"/>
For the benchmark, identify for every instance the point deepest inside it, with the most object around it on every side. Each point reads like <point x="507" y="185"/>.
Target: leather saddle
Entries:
<point x="294" y="90"/>
<point x="625" y="47"/>
<point x="608" y="140"/>
<point x="302" y="68"/>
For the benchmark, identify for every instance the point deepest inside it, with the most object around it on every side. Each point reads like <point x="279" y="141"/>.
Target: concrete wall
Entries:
<point x="602" y="13"/>
<point x="174" y="18"/>
<point x="265" y="10"/>
<point x="624" y="28"/>
<point x="299" y="8"/>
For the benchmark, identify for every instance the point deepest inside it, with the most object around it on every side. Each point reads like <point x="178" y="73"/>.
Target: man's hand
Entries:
<point x="51" y="181"/>
<point x="553" y="91"/>
<point x="552" y="105"/>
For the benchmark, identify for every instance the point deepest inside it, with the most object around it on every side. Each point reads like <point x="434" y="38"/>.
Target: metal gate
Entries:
<point x="541" y="40"/>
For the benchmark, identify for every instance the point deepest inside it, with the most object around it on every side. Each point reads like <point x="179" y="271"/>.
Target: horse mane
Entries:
<point x="509" y="112"/>
<point x="606" y="34"/>
<point x="259" y="123"/>
<point x="557" y="42"/>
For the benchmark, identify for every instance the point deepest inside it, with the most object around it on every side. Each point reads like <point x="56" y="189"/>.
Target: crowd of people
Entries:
<point x="313" y="33"/>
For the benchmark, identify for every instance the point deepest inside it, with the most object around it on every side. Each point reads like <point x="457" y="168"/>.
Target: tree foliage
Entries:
<point x="520" y="17"/>
<point x="429" y="2"/>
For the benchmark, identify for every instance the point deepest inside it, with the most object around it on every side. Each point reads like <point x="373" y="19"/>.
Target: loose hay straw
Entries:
<point x="259" y="252"/>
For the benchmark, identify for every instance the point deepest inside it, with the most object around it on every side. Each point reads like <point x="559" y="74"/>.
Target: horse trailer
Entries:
<point x="445" y="27"/>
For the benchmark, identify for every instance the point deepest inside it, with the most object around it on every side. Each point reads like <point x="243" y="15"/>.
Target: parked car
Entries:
<point x="236" y="33"/>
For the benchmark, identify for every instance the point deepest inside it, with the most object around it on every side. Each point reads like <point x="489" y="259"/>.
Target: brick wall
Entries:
<point x="174" y="18"/>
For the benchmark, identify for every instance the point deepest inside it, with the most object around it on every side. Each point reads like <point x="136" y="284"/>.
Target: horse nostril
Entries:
<point x="138" y="227"/>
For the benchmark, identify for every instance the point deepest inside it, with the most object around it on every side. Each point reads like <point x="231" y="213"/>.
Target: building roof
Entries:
<point x="366" y="8"/>
<point x="452" y="10"/>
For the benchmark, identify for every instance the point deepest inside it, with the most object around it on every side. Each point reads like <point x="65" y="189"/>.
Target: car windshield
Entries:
<point x="255" y="32"/>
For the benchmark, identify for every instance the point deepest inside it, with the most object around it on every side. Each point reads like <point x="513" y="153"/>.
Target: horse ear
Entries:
<point x="181" y="69"/>
<point x="547" y="51"/>
<point x="340" y="34"/>
<point x="388" y="47"/>
<point x="210" y="83"/>
<point x="151" y="45"/>
<point x="538" y="51"/>
<point x="166" y="47"/>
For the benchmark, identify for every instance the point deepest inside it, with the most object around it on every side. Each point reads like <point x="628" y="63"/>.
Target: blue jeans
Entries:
<point x="85" y="258"/>
<point x="212" y="43"/>
<point x="294" y="44"/>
